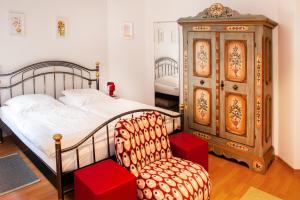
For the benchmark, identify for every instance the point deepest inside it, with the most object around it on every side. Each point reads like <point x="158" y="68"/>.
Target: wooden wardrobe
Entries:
<point x="227" y="83"/>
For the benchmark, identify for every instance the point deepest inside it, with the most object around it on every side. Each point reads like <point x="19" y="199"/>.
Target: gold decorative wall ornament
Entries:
<point x="237" y="28"/>
<point x="237" y="146"/>
<point x="201" y="28"/>
<point x="61" y="27"/>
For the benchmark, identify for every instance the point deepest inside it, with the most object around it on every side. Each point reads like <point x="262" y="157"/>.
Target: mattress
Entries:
<point x="167" y="85"/>
<point x="109" y="109"/>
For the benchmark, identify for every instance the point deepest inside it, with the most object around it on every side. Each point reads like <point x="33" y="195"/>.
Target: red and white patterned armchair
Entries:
<point x="142" y="146"/>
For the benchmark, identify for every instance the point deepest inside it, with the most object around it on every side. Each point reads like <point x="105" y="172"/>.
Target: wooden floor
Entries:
<point x="230" y="180"/>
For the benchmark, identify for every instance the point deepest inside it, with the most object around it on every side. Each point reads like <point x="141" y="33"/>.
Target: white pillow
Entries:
<point x="82" y="97"/>
<point x="31" y="101"/>
<point x="80" y="91"/>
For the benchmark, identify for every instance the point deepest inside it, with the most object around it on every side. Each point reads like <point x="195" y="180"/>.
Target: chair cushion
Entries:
<point x="141" y="140"/>
<point x="173" y="178"/>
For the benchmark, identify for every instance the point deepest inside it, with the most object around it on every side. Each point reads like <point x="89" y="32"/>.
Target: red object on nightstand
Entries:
<point x="190" y="147"/>
<point x="104" y="181"/>
<point x="111" y="88"/>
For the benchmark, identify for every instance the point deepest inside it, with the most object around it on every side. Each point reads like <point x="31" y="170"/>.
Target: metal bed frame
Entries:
<point x="165" y="66"/>
<point x="63" y="180"/>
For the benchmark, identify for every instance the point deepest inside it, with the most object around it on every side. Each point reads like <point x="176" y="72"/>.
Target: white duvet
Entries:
<point x="39" y="125"/>
<point x="39" y="117"/>
<point x="110" y="108"/>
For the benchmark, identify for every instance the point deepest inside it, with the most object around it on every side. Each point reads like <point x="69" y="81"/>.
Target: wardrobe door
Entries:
<point x="237" y="87"/>
<point x="202" y="81"/>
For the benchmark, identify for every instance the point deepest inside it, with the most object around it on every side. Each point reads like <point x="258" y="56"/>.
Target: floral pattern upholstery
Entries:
<point x="143" y="147"/>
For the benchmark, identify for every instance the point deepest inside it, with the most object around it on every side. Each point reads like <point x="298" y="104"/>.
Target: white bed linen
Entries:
<point x="41" y="142"/>
<point x="167" y="85"/>
<point x="36" y="129"/>
<point x="110" y="108"/>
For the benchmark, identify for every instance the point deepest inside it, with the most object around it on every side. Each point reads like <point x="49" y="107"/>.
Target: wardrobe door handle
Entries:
<point x="222" y="85"/>
<point x="235" y="87"/>
<point x="202" y="82"/>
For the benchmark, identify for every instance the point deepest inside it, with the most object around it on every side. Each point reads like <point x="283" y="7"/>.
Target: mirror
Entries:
<point x="166" y="65"/>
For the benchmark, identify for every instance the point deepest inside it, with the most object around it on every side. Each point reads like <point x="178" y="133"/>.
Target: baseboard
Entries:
<point x="295" y="171"/>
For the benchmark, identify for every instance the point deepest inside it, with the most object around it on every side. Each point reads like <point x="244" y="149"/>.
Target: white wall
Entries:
<point x="166" y="45"/>
<point x="286" y="81"/>
<point x="126" y="57"/>
<point x="86" y="40"/>
<point x="297" y="92"/>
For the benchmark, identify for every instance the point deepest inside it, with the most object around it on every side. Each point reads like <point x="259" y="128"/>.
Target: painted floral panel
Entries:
<point x="236" y="110"/>
<point x="236" y="61"/>
<point x="202" y="58"/>
<point x="202" y="106"/>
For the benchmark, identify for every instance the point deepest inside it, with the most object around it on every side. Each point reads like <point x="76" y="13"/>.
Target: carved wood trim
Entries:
<point x="237" y="28"/>
<point x="202" y="135"/>
<point x="217" y="10"/>
<point x="258" y="75"/>
<point x="258" y="113"/>
<point x="218" y="92"/>
<point x="237" y="146"/>
<point x="219" y="13"/>
<point x="201" y="28"/>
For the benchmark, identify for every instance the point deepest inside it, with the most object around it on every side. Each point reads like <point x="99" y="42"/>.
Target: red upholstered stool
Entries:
<point x="104" y="181"/>
<point x="190" y="147"/>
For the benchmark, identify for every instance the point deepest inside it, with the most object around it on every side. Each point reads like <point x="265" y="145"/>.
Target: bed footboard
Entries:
<point x="60" y="182"/>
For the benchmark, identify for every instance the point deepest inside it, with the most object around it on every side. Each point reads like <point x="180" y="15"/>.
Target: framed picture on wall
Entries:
<point x="61" y="27"/>
<point x="17" y="23"/>
<point x="161" y="35"/>
<point x="173" y="37"/>
<point x="128" y="30"/>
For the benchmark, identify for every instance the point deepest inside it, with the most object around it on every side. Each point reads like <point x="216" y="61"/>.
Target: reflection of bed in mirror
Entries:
<point x="166" y="83"/>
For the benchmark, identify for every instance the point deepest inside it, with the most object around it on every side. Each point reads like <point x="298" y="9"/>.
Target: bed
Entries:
<point x="84" y="138"/>
<point x="167" y="76"/>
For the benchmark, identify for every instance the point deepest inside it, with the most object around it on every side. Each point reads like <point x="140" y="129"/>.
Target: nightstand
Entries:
<point x="116" y="97"/>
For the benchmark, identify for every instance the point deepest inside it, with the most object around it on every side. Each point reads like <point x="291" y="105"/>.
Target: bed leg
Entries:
<point x="181" y="109"/>
<point x="59" y="186"/>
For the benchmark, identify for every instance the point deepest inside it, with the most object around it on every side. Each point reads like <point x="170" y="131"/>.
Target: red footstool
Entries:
<point x="190" y="147"/>
<point x="106" y="181"/>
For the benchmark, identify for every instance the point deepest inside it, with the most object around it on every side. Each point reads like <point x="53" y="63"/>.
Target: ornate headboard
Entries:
<point x="165" y="66"/>
<point x="48" y="77"/>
